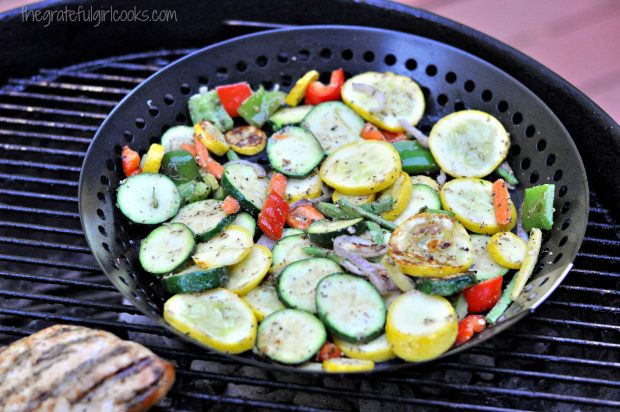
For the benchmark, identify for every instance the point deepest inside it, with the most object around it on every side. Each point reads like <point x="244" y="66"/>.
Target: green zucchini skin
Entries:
<point x="195" y="279"/>
<point x="166" y="248"/>
<point x="289" y="116"/>
<point x="445" y="286"/>
<point x="173" y="138"/>
<point x="324" y="231"/>
<point x="294" y="151"/>
<point x="241" y="182"/>
<point x="205" y="218"/>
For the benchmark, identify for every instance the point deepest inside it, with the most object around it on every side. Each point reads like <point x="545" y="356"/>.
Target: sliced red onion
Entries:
<point x="521" y="232"/>
<point x="441" y="178"/>
<point x="415" y="132"/>
<point x="300" y="202"/>
<point x="260" y="171"/>
<point x="325" y="195"/>
<point x="266" y="241"/>
<point x="373" y="92"/>
<point x="362" y="247"/>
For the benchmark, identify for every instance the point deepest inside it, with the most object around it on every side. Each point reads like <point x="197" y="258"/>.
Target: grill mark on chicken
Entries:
<point x="62" y="349"/>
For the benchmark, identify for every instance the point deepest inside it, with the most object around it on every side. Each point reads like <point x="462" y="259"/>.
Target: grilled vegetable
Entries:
<point x="431" y="244"/>
<point x="207" y="106"/>
<point x="194" y="279"/>
<point x="309" y="187"/>
<point x="507" y="249"/>
<point x="469" y="143"/>
<point x="264" y="301"/>
<point x="501" y="198"/>
<point x="384" y="98"/>
<point x="400" y="191"/>
<point x="230" y="205"/>
<point x="334" y="125"/>
<point x="58" y="369"/>
<point x="355" y="199"/>
<point x="361" y="168"/>
<point x="483" y="296"/>
<point x="242" y="182"/>
<point x="460" y="306"/>
<point x="294" y="151"/>
<point x="301" y="217"/>
<point x="288" y="250"/>
<point x="273" y="216"/>
<point x="445" y="286"/>
<point x="505" y="172"/>
<point x="344" y="365"/>
<point x="376" y="350"/>
<point x="194" y="191"/>
<point x="248" y="274"/>
<point x="233" y="95"/>
<point x="211" y="137"/>
<point x="205" y="218"/>
<point x="166" y="248"/>
<point x="289" y="231"/>
<point x="323" y="232"/>
<point x="297" y="283"/>
<point x="205" y="161"/>
<point x="502" y="304"/>
<point x="180" y="166"/>
<point x="468" y="327"/>
<point x="483" y="265"/>
<point x="415" y="158"/>
<point x="350" y="307"/>
<point x="131" y="161"/>
<point x="298" y="91"/>
<point x="538" y="207"/>
<point x="372" y="132"/>
<point x="422" y="196"/>
<point x="328" y="351"/>
<point x="152" y="159"/>
<point x="471" y="200"/>
<point x="290" y="336"/>
<point x="425" y="180"/>
<point x="403" y="282"/>
<point x="289" y="116"/>
<point x="246" y="140"/>
<point x="148" y="198"/>
<point x="529" y="263"/>
<point x="217" y="318"/>
<point x="175" y="137"/>
<point x="246" y="221"/>
<point x="257" y="108"/>
<point x="317" y="92"/>
<point x="277" y="183"/>
<point x="420" y="327"/>
<point x="231" y="246"/>
<point x="361" y="211"/>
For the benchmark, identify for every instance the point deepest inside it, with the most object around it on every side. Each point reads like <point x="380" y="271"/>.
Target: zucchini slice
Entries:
<point x="264" y="301"/>
<point x="351" y="307"/>
<point x="483" y="265"/>
<point x="431" y="244"/>
<point x="507" y="249"/>
<point x="217" y="318"/>
<point x="194" y="279"/>
<point x="166" y="248"/>
<point x="231" y="246"/>
<point x="334" y="125"/>
<point x="173" y="138"/>
<point x="242" y="182"/>
<point x="422" y="196"/>
<point x="290" y="336"/>
<point x="361" y="168"/>
<point x="376" y="350"/>
<point x="246" y="221"/>
<point x="289" y="116"/>
<point x="420" y="327"/>
<point x="324" y="231"/>
<point x="385" y="98"/>
<point x="148" y="198"/>
<point x="249" y="273"/>
<point x="205" y="218"/>
<point x="291" y="231"/>
<point x="400" y="191"/>
<point x="355" y="199"/>
<point x="445" y="286"/>
<point x="425" y="180"/>
<point x="471" y="200"/>
<point x="246" y="140"/>
<point x="308" y="187"/>
<point x="344" y="365"/>
<point x="297" y="283"/>
<point x="287" y="250"/>
<point x="294" y="151"/>
<point x="469" y="143"/>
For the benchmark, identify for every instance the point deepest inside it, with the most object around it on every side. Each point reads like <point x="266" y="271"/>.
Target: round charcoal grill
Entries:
<point x="452" y="80"/>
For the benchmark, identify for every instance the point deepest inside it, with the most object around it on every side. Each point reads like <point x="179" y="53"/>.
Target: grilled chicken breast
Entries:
<point x="72" y="368"/>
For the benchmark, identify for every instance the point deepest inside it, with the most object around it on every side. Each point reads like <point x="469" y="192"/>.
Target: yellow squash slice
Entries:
<point x="344" y="365"/>
<point x="231" y="246"/>
<point x="248" y="274"/>
<point x="153" y="158"/>
<point x="308" y="187"/>
<point x="507" y="249"/>
<point x="264" y="301"/>
<point x="377" y="350"/>
<point x="355" y="199"/>
<point x="211" y="137"/>
<point x="400" y="191"/>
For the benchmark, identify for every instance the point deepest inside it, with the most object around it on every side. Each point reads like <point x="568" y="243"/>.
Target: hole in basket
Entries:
<point x="538" y="268"/>
<point x="282" y="57"/>
<point x="261" y="61"/>
<point x="104" y="180"/>
<point x="347" y="54"/>
<point x="525" y="163"/>
<point x="563" y="190"/>
<point x="563" y="241"/>
<point x="102" y="230"/>
<point x="528" y="287"/>
<point x="517" y="118"/>
<point x="181" y="118"/>
<point x="530" y="130"/>
<point x="369" y="56"/>
<point x="486" y="95"/>
<point x="543" y="281"/>
<point x="168" y="99"/>
<point x="557" y="258"/>
<point x="458" y="106"/>
<point x="118" y="149"/>
<point x="101" y="196"/>
<point x="185" y="88"/>
<point x="106" y="247"/>
<point x="153" y="110"/>
<point x="241" y="66"/>
<point x="550" y="159"/>
<point x="122" y="278"/>
<point x="502" y="106"/>
<point x="390" y="60"/>
<point x="565" y="207"/>
<point x="469" y="86"/>
<point x="115" y="264"/>
<point x="326" y="54"/>
<point x="515" y="150"/>
<point x="534" y="177"/>
<point x="566" y="224"/>
<point x="431" y="70"/>
<point x="100" y="214"/>
<point x="411" y="64"/>
<point x="442" y="99"/>
<point x="140" y="123"/>
<point x="546" y="236"/>
<point x="532" y="296"/>
<point x="450" y="77"/>
<point x="557" y="175"/>
<point x="286" y="80"/>
<point x="110" y="165"/>
<point x="128" y="136"/>
<point x="304" y="55"/>
<point x="222" y="73"/>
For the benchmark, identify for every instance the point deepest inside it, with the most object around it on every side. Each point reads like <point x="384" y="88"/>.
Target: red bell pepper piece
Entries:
<point x="273" y="216"/>
<point x="328" y="351"/>
<point x="468" y="326"/>
<point x="278" y="184"/>
<point x="230" y="205"/>
<point x="394" y="136"/>
<point x="232" y="95"/>
<point x="131" y="161"/>
<point x="484" y="295"/>
<point x="302" y="216"/>
<point x="372" y="132"/>
<point x="205" y="161"/>
<point x="318" y="92"/>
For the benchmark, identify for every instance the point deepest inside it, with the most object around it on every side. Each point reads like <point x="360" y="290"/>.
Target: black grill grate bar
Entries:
<point x="45" y="136"/>
<point x="107" y="104"/>
<point x="109" y="307"/>
<point x="70" y="86"/>
<point x="38" y="211"/>
<point x="609" y="226"/>
<point x="44" y="150"/>
<point x="41" y="244"/>
<point x="591" y="290"/>
<point x="37" y="165"/>
<point x="604" y="242"/>
<point x="56" y="281"/>
<point x="41" y="228"/>
<point x="133" y="67"/>
<point x="43" y="196"/>
<point x="41" y="180"/>
<point x="47" y="110"/>
<point x="563" y="340"/>
<point x="46" y="124"/>
<point x="575" y="323"/>
<point x="591" y="272"/>
<point x="599" y="210"/>
<point x="587" y="306"/>
<point x="49" y="263"/>
<point x="608" y="258"/>
<point x="93" y="76"/>
<point x="497" y="353"/>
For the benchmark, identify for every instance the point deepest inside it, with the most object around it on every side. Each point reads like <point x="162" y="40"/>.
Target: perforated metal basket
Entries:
<point x="541" y="151"/>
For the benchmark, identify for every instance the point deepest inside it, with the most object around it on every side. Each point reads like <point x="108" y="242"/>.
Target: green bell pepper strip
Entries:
<point x="505" y="172"/>
<point x="257" y="108"/>
<point x="207" y="106"/>
<point x="538" y="207"/>
<point x="180" y="166"/>
<point x="502" y="304"/>
<point x="415" y="158"/>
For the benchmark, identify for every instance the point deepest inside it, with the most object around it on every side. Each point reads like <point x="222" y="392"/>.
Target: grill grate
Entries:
<point x="565" y="356"/>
